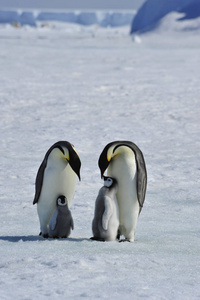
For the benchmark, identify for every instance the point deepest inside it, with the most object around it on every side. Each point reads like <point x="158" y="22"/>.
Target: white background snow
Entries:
<point x="90" y="86"/>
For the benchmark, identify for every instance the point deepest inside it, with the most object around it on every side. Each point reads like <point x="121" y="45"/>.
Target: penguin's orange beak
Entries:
<point x="67" y="158"/>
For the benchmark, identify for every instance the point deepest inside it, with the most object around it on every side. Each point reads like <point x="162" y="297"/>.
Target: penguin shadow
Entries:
<point x="23" y="238"/>
<point x="34" y="238"/>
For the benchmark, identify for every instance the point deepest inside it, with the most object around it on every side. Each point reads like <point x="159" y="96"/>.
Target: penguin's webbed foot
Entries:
<point x="124" y="240"/>
<point x="95" y="238"/>
<point x="59" y="237"/>
<point x="118" y="235"/>
<point x="44" y="235"/>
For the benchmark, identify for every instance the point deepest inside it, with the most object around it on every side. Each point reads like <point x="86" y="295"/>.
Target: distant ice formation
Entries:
<point x="101" y="18"/>
<point x="152" y="11"/>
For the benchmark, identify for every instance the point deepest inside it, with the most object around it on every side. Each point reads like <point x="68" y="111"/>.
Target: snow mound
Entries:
<point x="171" y="23"/>
<point x="152" y="11"/>
<point x="101" y="18"/>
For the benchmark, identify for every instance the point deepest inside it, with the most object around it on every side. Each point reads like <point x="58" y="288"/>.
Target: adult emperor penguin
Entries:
<point x="61" y="222"/>
<point x="56" y="176"/>
<point x="124" y="161"/>
<point x="106" y="216"/>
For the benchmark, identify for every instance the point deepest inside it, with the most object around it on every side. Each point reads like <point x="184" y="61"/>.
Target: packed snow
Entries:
<point x="91" y="85"/>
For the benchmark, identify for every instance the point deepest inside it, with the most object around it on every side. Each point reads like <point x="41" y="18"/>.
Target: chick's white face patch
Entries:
<point x="108" y="182"/>
<point x="62" y="202"/>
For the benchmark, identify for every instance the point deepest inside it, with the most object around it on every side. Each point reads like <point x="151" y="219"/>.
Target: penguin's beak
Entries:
<point x="109" y="158"/>
<point x="67" y="158"/>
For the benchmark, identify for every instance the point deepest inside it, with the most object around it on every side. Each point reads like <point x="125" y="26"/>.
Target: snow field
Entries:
<point x="91" y="86"/>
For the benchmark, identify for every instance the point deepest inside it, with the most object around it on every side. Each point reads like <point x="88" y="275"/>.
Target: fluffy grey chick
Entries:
<point x="106" y="216"/>
<point x="61" y="222"/>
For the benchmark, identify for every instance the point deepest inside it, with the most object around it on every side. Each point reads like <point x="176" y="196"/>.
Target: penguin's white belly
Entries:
<point x="128" y="211"/>
<point x="57" y="181"/>
<point x="125" y="171"/>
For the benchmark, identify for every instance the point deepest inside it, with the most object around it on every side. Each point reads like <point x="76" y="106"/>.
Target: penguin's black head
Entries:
<point x="69" y="154"/>
<point x="74" y="161"/>
<point x="107" y="155"/>
<point x="110" y="152"/>
<point x="103" y="159"/>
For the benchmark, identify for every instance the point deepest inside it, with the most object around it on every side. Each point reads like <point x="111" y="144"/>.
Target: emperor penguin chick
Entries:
<point x="106" y="216"/>
<point x="61" y="222"/>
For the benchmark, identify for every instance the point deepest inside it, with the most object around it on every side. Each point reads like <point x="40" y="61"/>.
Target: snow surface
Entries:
<point x="152" y="11"/>
<point x="92" y="85"/>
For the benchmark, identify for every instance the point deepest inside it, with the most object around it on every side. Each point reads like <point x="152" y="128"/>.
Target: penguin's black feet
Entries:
<point x="94" y="238"/>
<point x="124" y="240"/>
<point x="44" y="235"/>
<point x="118" y="235"/>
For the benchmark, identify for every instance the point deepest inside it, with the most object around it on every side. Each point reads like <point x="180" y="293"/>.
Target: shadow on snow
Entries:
<point x="33" y="238"/>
